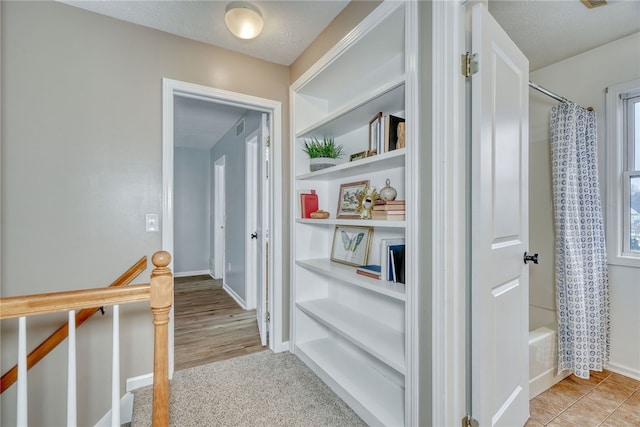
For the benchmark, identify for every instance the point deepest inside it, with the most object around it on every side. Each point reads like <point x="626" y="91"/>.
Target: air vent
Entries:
<point x="240" y="128"/>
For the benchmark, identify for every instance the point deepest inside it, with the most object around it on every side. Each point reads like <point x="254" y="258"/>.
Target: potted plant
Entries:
<point x="322" y="154"/>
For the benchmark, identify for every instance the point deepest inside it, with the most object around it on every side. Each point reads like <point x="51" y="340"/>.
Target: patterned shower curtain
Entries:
<point x="582" y="288"/>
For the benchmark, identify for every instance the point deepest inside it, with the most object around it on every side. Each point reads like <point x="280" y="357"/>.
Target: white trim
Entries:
<point x="235" y="296"/>
<point x="140" y="381"/>
<point x="192" y="273"/>
<point x="448" y="211"/>
<point x="277" y="218"/>
<point x="615" y="159"/>
<point x="624" y="370"/>
<point x="126" y="412"/>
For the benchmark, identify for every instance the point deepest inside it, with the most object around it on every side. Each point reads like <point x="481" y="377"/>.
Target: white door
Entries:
<point x="219" y="218"/>
<point x="499" y="226"/>
<point x="252" y="192"/>
<point x="262" y="231"/>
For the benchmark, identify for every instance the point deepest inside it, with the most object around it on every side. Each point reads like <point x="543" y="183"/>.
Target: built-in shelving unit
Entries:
<point x="351" y="329"/>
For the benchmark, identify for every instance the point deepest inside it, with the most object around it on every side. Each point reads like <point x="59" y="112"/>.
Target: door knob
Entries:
<point x="254" y="235"/>
<point x="528" y="257"/>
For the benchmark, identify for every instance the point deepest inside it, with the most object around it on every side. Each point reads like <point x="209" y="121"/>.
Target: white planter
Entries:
<point x="321" y="163"/>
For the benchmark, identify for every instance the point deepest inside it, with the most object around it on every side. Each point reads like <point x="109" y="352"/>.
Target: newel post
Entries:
<point x="161" y="301"/>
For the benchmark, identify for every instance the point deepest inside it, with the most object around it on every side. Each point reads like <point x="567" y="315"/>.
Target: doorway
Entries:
<point x="173" y="89"/>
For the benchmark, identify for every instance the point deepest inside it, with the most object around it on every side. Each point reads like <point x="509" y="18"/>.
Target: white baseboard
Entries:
<point x="126" y="412"/>
<point x="284" y="346"/>
<point x="624" y="370"/>
<point x="191" y="273"/>
<point x="235" y="296"/>
<point x="134" y="383"/>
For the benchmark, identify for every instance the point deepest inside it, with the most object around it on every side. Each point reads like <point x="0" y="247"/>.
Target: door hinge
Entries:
<point x="267" y="317"/>
<point x="468" y="421"/>
<point x="469" y="64"/>
<point x="267" y="142"/>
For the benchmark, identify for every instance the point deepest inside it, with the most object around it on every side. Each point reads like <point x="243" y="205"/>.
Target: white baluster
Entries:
<point x="115" y="373"/>
<point x="71" y="373"/>
<point x="22" y="373"/>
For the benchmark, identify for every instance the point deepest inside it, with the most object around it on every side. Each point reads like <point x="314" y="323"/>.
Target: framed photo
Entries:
<point x="351" y="244"/>
<point x="358" y="156"/>
<point x="375" y="126"/>
<point x="348" y="199"/>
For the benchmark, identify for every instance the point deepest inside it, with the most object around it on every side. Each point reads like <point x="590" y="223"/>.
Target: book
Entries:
<point x="385" y="271"/>
<point x="396" y="261"/>
<point x="381" y="202"/>
<point x="390" y="136"/>
<point x="388" y="216"/>
<point x="308" y="203"/>
<point x="372" y="271"/>
<point x="389" y="208"/>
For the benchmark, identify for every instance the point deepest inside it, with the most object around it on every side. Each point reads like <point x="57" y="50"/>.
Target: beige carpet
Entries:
<point x="262" y="389"/>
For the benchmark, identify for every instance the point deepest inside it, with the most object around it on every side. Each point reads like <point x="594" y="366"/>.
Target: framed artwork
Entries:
<point x="348" y="199"/>
<point x="358" y="156"/>
<point x="375" y="138"/>
<point x="351" y="245"/>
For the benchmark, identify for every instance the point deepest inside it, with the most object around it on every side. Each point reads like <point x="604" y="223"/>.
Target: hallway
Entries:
<point x="209" y="324"/>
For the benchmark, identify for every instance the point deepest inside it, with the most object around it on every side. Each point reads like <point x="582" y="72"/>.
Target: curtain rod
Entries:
<point x="551" y="94"/>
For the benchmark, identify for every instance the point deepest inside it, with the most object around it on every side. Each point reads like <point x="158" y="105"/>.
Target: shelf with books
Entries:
<point x="373" y="164"/>
<point x="348" y="274"/>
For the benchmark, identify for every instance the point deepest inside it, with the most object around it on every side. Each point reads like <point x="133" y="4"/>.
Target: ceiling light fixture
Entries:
<point x="243" y="19"/>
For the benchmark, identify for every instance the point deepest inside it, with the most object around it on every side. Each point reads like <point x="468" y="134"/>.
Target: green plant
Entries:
<point x="325" y="148"/>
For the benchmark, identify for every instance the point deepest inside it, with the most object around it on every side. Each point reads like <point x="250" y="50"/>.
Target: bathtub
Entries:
<point x="543" y="351"/>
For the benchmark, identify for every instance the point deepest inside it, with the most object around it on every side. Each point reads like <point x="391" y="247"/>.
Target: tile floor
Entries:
<point x="606" y="399"/>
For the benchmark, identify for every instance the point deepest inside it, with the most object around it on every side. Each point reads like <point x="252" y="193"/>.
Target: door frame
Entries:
<point x="170" y="88"/>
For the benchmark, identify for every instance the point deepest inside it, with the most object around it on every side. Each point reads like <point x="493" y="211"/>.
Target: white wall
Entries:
<point x="234" y="148"/>
<point x="583" y="79"/>
<point x="191" y="204"/>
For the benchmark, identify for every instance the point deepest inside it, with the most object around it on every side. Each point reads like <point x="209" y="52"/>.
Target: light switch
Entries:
<point x="152" y="222"/>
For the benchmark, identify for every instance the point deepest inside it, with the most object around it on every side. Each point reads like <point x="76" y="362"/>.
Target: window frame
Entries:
<point x="619" y="172"/>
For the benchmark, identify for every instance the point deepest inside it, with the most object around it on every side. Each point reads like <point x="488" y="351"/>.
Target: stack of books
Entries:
<point x="393" y="210"/>
<point x="372" y="271"/>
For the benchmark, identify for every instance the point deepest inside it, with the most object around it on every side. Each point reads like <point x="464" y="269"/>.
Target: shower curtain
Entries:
<point x="582" y="288"/>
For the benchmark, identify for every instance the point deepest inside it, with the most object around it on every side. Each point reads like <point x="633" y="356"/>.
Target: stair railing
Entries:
<point x="159" y="292"/>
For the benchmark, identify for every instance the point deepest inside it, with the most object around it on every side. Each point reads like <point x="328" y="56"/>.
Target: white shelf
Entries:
<point x="348" y="274"/>
<point x="374" y="337"/>
<point x="389" y="97"/>
<point x="357" y="222"/>
<point x="381" y="399"/>
<point x="389" y="160"/>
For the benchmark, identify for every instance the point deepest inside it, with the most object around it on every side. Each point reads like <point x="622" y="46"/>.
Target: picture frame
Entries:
<point x="348" y="199"/>
<point x="358" y="156"/>
<point x="351" y="244"/>
<point x="375" y="138"/>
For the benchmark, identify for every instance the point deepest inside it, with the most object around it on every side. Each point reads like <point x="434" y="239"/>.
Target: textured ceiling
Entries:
<point x="289" y="26"/>
<point x="550" y="31"/>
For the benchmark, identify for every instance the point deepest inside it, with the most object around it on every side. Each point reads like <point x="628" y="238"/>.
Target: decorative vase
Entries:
<point x="388" y="193"/>
<point x="318" y="163"/>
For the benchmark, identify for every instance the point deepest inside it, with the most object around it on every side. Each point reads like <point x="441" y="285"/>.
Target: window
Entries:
<point x="623" y="173"/>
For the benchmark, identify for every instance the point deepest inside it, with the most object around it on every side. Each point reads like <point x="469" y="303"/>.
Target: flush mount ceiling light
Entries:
<point x="243" y="19"/>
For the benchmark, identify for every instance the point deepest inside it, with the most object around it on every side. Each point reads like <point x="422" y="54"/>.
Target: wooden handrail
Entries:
<point x="10" y="377"/>
<point x="159" y="292"/>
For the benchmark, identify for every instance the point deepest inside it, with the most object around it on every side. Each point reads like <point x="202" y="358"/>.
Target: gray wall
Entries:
<point x="191" y="210"/>
<point x="81" y="166"/>
<point x="234" y="148"/>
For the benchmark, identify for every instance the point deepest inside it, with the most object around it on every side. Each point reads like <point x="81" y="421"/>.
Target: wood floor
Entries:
<point x="606" y="399"/>
<point x="209" y="325"/>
